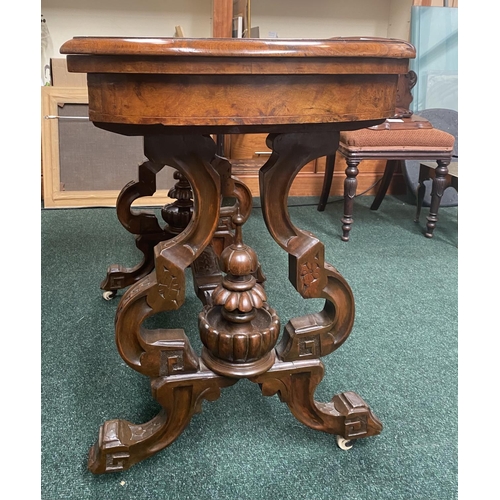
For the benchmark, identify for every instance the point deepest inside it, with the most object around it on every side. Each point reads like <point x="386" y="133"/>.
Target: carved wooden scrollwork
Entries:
<point x="319" y="334"/>
<point x="142" y="223"/>
<point x="295" y="382"/>
<point x="206" y="269"/>
<point x="150" y="351"/>
<point x="121" y="444"/>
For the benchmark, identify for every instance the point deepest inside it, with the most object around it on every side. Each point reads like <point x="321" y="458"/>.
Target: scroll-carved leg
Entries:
<point x="121" y="444"/>
<point x="311" y="276"/>
<point x="350" y="186"/>
<point x="308" y="337"/>
<point x="144" y="223"/>
<point x="179" y="380"/>
<point x="164" y="288"/>
<point x="346" y="415"/>
<point x="119" y="277"/>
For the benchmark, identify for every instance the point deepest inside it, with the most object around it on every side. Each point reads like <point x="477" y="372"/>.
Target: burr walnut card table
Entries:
<point x="177" y="93"/>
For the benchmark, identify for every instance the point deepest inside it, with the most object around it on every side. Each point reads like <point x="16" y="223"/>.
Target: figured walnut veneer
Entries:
<point x="252" y="81"/>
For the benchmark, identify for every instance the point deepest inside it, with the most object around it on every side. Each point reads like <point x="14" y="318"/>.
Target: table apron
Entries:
<point x="237" y="100"/>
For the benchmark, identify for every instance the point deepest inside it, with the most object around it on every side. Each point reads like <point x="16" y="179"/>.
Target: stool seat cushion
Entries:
<point x="422" y="138"/>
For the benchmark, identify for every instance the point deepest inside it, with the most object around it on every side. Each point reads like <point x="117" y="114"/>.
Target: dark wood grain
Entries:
<point x="241" y="47"/>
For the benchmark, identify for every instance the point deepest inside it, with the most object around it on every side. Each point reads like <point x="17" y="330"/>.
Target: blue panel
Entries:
<point x="434" y="33"/>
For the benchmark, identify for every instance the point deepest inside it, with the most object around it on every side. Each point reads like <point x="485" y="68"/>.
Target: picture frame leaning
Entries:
<point x="84" y="166"/>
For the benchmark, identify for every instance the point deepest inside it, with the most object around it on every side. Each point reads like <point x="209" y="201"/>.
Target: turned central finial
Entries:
<point x="178" y="214"/>
<point x="239" y="293"/>
<point x="239" y="329"/>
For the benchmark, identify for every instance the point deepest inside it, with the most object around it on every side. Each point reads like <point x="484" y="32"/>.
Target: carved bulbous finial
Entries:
<point x="239" y="327"/>
<point x="239" y="293"/>
<point x="239" y="260"/>
<point x="178" y="214"/>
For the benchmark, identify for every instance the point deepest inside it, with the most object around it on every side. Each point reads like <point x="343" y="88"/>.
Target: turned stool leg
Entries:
<point x="298" y="370"/>
<point x="350" y="185"/>
<point x="439" y="184"/>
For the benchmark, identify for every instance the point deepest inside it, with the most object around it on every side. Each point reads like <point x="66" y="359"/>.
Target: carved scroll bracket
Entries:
<point x="158" y="352"/>
<point x="122" y="444"/>
<point x="295" y="382"/>
<point x="319" y="334"/>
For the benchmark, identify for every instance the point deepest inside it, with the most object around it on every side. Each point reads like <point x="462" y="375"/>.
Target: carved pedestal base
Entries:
<point x="238" y="328"/>
<point x="238" y="370"/>
<point x="121" y="444"/>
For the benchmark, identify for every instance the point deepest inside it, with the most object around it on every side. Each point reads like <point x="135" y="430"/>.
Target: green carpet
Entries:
<point x="401" y="357"/>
